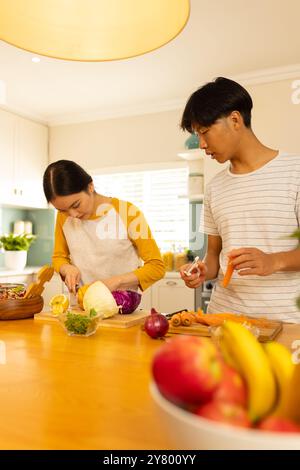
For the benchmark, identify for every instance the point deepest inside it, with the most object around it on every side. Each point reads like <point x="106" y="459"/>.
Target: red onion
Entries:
<point x="156" y="325"/>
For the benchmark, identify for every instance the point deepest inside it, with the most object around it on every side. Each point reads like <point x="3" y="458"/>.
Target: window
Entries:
<point x="157" y="194"/>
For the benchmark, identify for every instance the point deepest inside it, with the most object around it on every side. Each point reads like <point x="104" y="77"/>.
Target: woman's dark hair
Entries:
<point x="215" y="100"/>
<point x="63" y="178"/>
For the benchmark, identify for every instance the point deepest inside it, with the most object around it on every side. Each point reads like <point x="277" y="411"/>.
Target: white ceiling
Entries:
<point x="222" y="37"/>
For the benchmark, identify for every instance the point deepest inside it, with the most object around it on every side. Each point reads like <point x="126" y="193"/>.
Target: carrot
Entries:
<point x="176" y="320"/>
<point x="192" y="314"/>
<point x="228" y="274"/>
<point x="187" y="319"/>
<point x="260" y="321"/>
<point x="215" y="319"/>
<point x="201" y="318"/>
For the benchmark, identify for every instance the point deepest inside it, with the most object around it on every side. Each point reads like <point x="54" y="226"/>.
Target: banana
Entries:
<point x="281" y="363"/>
<point x="251" y="360"/>
<point x="292" y="410"/>
<point x="227" y="354"/>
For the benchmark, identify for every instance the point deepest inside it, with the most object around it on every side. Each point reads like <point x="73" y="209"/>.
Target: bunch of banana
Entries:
<point x="283" y="368"/>
<point x="248" y="356"/>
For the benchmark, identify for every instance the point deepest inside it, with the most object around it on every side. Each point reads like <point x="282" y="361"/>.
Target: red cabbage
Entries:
<point x="127" y="300"/>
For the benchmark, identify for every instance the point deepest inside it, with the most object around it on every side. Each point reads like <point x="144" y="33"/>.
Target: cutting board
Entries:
<point x="117" y="321"/>
<point x="196" y="329"/>
<point x="126" y="321"/>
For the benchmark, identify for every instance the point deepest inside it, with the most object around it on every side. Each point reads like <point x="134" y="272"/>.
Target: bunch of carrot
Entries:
<point x="214" y="319"/>
<point x="186" y="318"/>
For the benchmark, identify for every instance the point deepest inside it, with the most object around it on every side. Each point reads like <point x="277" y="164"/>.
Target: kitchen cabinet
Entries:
<point x="31" y="162"/>
<point x="169" y="295"/>
<point x="23" y="157"/>
<point x="7" y="134"/>
<point x="17" y="278"/>
<point x="146" y="302"/>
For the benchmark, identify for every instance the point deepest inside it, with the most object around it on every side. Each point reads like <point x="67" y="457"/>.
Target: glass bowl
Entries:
<point x="80" y="323"/>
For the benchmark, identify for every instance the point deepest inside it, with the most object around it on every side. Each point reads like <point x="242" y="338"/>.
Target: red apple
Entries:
<point x="232" y="388"/>
<point x="225" y="412"/>
<point x="187" y="370"/>
<point x="276" y="423"/>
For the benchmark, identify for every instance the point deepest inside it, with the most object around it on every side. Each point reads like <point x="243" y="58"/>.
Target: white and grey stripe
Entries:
<point x="258" y="209"/>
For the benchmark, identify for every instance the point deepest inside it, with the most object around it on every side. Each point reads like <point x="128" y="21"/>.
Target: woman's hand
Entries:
<point x="122" y="282"/>
<point x="113" y="283"/>
<point x="71" y="276"/>
<point x="197" y="276"/>
<point x="250" y="261"/>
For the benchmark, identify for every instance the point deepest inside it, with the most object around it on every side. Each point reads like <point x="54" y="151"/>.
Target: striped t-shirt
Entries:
<point x="258" y="209"/>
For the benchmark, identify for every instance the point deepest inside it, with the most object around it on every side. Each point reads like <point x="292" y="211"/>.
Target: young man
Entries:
<point x="250" y="209"/>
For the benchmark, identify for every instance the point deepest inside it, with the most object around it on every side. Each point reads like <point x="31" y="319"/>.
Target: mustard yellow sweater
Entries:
<point x="112" y="242"/>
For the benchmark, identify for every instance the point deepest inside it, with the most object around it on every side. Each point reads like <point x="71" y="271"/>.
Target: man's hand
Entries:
<point x="197" y="276"/>
<point x="250" y="261"/>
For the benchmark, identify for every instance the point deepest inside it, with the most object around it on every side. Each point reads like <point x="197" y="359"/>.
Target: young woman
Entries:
<point x="98" y="237"/>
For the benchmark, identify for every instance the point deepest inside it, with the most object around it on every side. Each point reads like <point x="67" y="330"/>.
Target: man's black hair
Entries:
<point x="215" y="100"/>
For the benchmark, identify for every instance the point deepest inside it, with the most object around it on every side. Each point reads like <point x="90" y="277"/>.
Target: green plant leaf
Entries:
<point x="296" y="234"/>
<point x="13" y="242"/>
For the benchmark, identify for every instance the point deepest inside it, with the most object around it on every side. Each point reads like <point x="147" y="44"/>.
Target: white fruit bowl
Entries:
<point x="188" y="431"/>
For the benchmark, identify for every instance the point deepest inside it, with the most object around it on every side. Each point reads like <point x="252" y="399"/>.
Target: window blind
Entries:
<point x="157" y="193"/>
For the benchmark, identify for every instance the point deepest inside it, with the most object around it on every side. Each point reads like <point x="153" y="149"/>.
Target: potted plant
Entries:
<point x="15" y="249"/>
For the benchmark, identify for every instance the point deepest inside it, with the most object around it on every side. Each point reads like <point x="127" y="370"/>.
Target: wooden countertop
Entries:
<point x="61" y="392"/>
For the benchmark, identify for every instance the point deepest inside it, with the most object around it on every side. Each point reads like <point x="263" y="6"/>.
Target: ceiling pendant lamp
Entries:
<point x="91" y="30"/>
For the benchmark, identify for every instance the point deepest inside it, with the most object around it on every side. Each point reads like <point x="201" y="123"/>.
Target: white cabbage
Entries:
<point x="99" y="297"/>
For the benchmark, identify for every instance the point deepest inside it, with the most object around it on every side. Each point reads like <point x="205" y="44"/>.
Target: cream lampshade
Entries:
<point x="91" y="30"/>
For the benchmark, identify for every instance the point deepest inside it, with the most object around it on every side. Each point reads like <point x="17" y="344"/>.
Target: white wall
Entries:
<point x="276" y="120"/>
<point x="153" y="138"/>
<point x="149" y="138"/>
